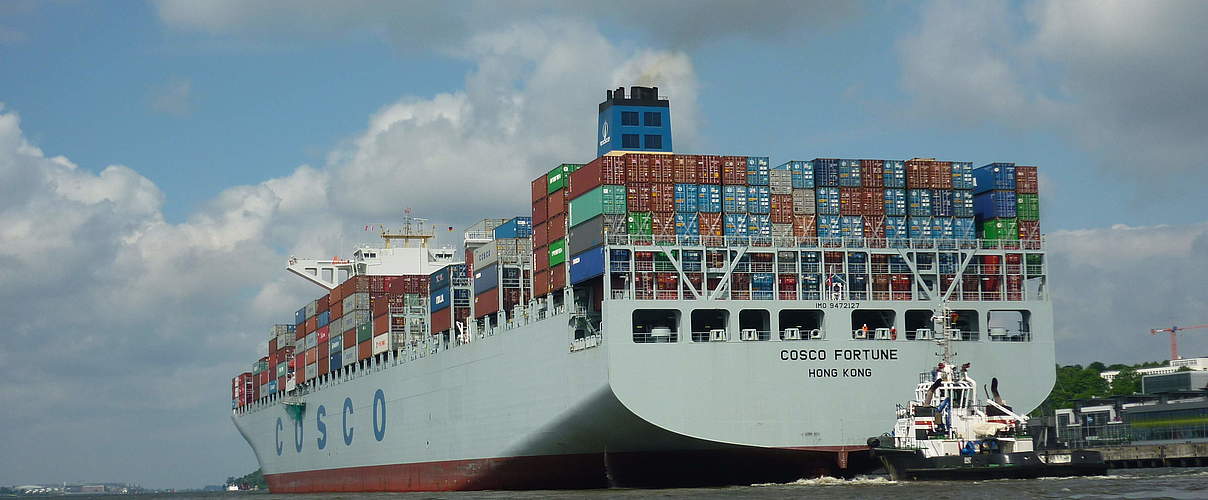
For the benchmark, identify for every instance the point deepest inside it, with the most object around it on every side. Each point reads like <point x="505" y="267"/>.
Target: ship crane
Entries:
<point x="1174" y="339"/>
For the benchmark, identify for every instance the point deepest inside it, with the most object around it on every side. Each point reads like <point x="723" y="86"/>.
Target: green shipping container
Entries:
<point x="601" y="200"/>
<point x="557" y="252"/>
<point x="413" y="300"/>
<point x="1000" y="229"/>
<point x="641" y="223"/>
<point x="364" y="332"/>
<point x="556" y="178"/>
<point x="1027" y="206"/>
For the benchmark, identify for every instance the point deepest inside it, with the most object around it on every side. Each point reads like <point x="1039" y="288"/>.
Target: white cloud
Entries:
<point x="1110" y="286"/>
<point x="1124" y="80"/>
<point x="119" y="320"/>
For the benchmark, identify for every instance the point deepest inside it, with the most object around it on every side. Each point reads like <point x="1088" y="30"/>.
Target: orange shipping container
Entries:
<point x="541" y="283"/>
<point x="556" y="227"/>
<point x="365" y="349"/>
<point x="349" y="338"/>
<point x="558" y="277"/>
<point x="381" y="324"/>
<point x="486" y="303"/>
<point x="540" y="235"/>
<point x="312" y="355"/>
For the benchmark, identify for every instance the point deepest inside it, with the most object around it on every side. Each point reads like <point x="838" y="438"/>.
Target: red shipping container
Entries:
<point x="557" y="277"/>
<point x="1029" y="230"/>
<point x="540" y="235"/>
<point x="322" y="335"/>
<point x="685" y="168"/>
<point x="312" y="324"/>
<point x="541" y="283"/>
<point x="851" y="201"/>
<point x="666" y="281"/>
<point x="272" y="345"/>
<point x="300" y="368"/>
<point x="662" y="197"/>
<point x="941" y="175"/>
<point x="637" y="168"/>
<point x="734" y="170"/>
<point x="381" y="324"/>
<point x="587" y="178"/>
<point x="872" y="173"/>
<point x="874" y="201"/>
<point x="709" y="170"/>
<point x="1027" y="180"/>
<point x="539" y="186"/>
<point x="365" y="350"/>
<point x="711" y="224"/>
<point x="782" y="209"/>
<point x="612" y="170"/>
<point x="442" y="320"/>
<point x="541" y="258"/>
<point x="918" y="173"/>
<point x="556" y="203"/>
<point x="511" y="298"/>
<point x="486" y="303"/>
<point x="990" y="264"/>
<point x="637" y="197"/>
<point x="556" y="227"/>
<point x="539" y="210"/>
<point x="349" y="338"/>
<point x="322" y="304"/>
<point x="1015" y="287"/>
<point x="337" y="309"/>
<point x="663" y="168"/>
<point x="805" y="226"/>
<point x="324" y="358"/>
<point x="312" y="355"/>
<point x="874" y="226"/>
<point x="663" y="223"/>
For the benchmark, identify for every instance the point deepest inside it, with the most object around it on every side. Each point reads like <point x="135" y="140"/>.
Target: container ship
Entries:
<point x="659" y="319"/>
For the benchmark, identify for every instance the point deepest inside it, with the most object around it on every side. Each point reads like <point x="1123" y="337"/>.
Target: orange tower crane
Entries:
<point x="1174" y="339"/>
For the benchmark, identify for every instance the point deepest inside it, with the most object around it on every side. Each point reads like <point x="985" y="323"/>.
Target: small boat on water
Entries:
<point x="947" y="433"/>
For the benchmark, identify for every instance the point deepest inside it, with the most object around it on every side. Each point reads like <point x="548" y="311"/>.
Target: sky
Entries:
<point x="159" y="161"/>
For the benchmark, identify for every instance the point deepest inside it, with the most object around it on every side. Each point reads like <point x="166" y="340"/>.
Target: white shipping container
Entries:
<point x="312" y="371"/>
<point x="312" y="309"/>
<point x="350" y="356"/>
<point x="291" y="384"/>
<point x="381" y="343"/>
<point x="781" y="181"/>
<point x="356" y="301"/>
<point x="312" y="340"/>
<point x="803" y="202"/>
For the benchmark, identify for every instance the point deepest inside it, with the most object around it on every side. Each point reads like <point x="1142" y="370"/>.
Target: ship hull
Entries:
<point x="521" y="410"/>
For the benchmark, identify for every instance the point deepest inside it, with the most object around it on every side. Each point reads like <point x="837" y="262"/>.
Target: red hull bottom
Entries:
<point x="739" y="466"/>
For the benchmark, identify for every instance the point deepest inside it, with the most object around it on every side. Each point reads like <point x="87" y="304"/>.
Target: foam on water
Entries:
<point x="835" y="481"/>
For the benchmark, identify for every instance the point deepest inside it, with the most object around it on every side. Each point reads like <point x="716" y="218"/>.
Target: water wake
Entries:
<point x="835" y="481"/>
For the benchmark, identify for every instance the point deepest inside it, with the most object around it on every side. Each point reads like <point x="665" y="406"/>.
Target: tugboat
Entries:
<point x="946" y="433"/>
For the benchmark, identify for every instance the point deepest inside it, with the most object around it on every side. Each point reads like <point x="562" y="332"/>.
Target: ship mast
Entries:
<point x="415" y="231"/>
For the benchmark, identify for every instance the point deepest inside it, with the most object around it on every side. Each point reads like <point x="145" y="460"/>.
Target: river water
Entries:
<point x="1171" y="483"/>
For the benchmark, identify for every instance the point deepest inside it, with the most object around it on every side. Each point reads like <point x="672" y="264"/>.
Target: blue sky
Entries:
<point x="185" y="149"/>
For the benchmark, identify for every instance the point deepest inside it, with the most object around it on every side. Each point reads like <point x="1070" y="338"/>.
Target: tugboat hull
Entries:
<point x="912" y="465"/>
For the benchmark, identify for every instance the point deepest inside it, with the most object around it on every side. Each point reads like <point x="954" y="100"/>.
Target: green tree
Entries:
<point x="1097" y="366"/>
<point x="1128" y="381"/>
<point x="1184" y="368"/>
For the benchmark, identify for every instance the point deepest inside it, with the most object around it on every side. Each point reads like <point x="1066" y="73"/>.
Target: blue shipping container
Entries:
<point x="735" y="224"/>
<point x="323" y="319"/>
<point x="826" y="200"/>
<point x="443" y="298"/>
<point x="687" y="224"/>
<point x="272" y="386"/>
<point x="993" y="177"/>
<point x="757" y="170"/>
<point x="994" y="204"/>
<point x="336" y="357"/>
<point x="918" y="227"/>
<point x="826" y="172"/>
<point x="849" y="173"/>
<point x="895" y="174"/>
<point x="947" y="227"/>
<point x="962" y="204"/>
<point x="486" y="278"/>
<point x="962" y="175"/>
<point x="519" y="227"/>
<point x="895" y="202"/>
<point x="828" y="226"/>
<point x="336" y="344"/>
<point x="851" y="226"/>
<point x="586" y="265"/>
<point x="964" y="228"/>
<point x="802" y="174"/>
<point x="918" y="202"/>
<point x="759" y="199"/>
<point x="708" y="198"/>
<point x="442" y="278"/>
<point x="759" y="226"/>
<point x="300" y="316"/>
<point x="895" y="227"/>
<point x="763" y="281"/>
<point x="734" y="199"/>
<point x="941" y="202"/>
<point x="687" y="197"/>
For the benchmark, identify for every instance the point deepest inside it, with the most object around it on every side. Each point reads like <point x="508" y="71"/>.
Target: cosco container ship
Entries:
<point x="661" y="319"/>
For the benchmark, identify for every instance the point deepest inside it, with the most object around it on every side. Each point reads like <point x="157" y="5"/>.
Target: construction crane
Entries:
<point x="1174" y="339"/>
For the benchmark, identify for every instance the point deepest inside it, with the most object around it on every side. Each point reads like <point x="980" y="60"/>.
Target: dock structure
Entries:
<point x="1155" y="455"/>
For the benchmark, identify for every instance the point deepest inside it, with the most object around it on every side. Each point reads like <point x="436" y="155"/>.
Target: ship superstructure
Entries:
<point x="661" y="319"/>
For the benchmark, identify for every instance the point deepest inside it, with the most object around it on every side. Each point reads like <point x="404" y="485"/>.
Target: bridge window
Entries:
<point x="1009" y="326"/>
<point x="866" y="322"/>
<point x="629" y="118"/>
<point x="705" y="321"/>
<point x="807" y="322"/>
<point x="655" y="325"/>
<point x="754" y="324"/>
